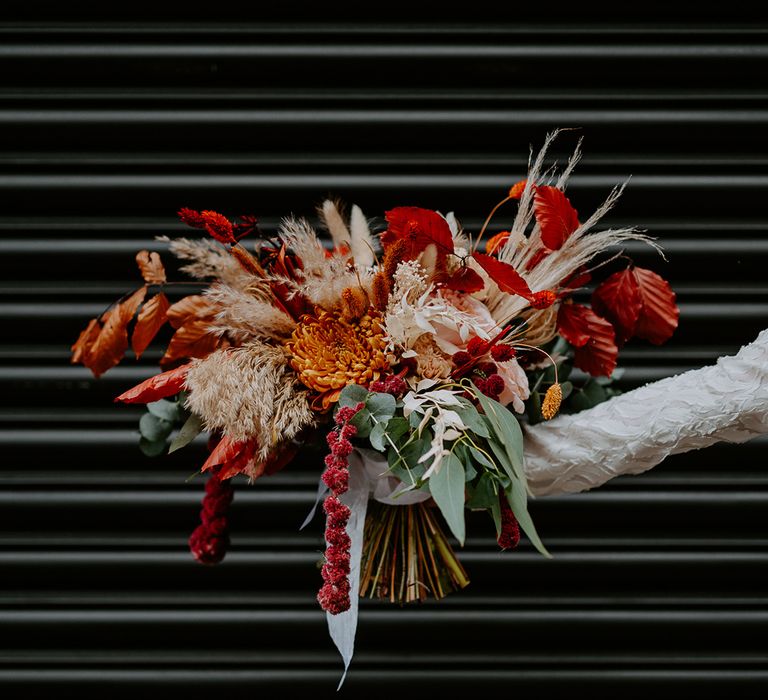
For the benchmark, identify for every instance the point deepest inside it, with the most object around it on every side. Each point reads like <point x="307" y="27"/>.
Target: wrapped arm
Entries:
<point x="633" y="432"/>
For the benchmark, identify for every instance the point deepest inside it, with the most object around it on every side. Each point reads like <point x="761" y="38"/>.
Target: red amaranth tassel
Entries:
<point x="509" y="537"/>
<point x="210" y="540"/>
<point x="333" y="596"/>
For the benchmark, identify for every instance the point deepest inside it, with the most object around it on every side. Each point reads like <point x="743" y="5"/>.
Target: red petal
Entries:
<point x="157" y="387"/>
<point x="419" y="227"/>
<point x="618" y="300"/>
<point x="556" y="217"/>
<point x="465" y="280"/>
<point x="660" y="315"/>
<point x="508" y="279"/>
<point x="571" y="324"/>
<point x="232" y="455"/>
<point x="598" y="353"/>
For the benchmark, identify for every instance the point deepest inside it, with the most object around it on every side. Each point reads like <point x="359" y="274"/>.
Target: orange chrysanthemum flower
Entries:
<point x="328" y="353"/>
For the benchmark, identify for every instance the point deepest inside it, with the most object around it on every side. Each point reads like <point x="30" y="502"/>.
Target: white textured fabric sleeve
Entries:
<point x="633" y="432"/>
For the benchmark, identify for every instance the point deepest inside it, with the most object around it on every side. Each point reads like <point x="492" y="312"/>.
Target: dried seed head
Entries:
<point x="552" y="400"/>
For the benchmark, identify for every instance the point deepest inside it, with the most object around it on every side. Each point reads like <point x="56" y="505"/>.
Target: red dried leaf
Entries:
<point x="418" y="227"/>
<point x="103" y="350"/>
<point x="504" y="275"/>
<point x="618" y="300"/>
<point x="572" y="324"/>
<point x="593" y="337"/>
<point x="465" y="279"/>
<point x="150" y="321"/>
<point x="157" y="387"/>
<point x="555" y="215"/>
<point x="660" y="314"/>
<point x="151" y="267"/>
<point x="231" y="455"/>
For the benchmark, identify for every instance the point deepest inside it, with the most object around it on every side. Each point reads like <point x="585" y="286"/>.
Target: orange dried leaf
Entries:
<point x="193" y="339"/>
<point x="150" y="321"/>
<point x="87" y="337"/>
<point x="157" y="387"/>
<point x="151" y="267"/>
<point x="108" y="347"/>
<point x="188" y="308"/>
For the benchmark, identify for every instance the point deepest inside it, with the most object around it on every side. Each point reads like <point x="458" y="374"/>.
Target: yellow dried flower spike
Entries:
<point x="552" y="400"/>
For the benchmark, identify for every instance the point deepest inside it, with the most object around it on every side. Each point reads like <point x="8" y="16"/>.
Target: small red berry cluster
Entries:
<point x="334" y="593"/>
<point x="509" y="537"/>
<point x="210" y="539"/>
<point x="390" y="385"/>
<point x="483" y="373"/>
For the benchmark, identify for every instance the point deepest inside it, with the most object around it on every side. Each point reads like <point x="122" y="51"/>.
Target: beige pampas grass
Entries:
<point x="249" y="392"/>
<point x="209" y="260"/>
<point x="248" y="314"/>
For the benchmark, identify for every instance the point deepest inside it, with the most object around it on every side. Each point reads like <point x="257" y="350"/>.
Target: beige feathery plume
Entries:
<point x="249" y="392"/>
<point x="580" y="247"/>
<point x="247" y="314"/>
<point x="331" y="216"/>
<point x="540" y="325"/>
<point x="361" y="242"/>
<point x="209" y="260"/>
<point x="299" y="236"/>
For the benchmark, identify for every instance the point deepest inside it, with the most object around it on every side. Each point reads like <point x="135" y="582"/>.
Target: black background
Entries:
<point x="109" y="124"/>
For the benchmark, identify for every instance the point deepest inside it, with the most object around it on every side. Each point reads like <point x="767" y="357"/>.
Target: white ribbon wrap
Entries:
<point x="633" y="432"/>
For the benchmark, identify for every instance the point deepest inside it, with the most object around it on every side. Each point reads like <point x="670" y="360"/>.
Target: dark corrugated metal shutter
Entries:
<point x="108" y="128"/>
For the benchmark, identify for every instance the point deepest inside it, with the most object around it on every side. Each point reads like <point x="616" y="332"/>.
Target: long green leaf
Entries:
<point x="189" y="431"/>
<point x="447" y="488"/>
<point x="507" y="431"/>
<point x="516" y="497"/>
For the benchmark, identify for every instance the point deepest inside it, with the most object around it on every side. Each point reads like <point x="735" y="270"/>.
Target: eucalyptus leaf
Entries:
<point x="470" y="471"/>
<point x="152" y="448"/>
<point x="471" y="418"/>
<point x="362" y="422"/>
<point x="566" y="388"/>
<point x="484" y="495"/>
<point x="167" y="410"/>
<point x="377" y="437"/>
<point x="189" y="431"/>
<point x="479" y="457"/>
<point x="495" y="510"/>
<point x="516" y="497"/>
<point x="352" y="394"/>
<point x="381" y="406"/>
<point x="153" y="428"/>
<point x="397" y="427"/>
<point x="507" y="431"/>
<point x="447" y="488"/>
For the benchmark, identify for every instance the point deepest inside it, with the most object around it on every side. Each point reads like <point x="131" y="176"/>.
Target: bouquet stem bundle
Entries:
<point x="406" y="556"/>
